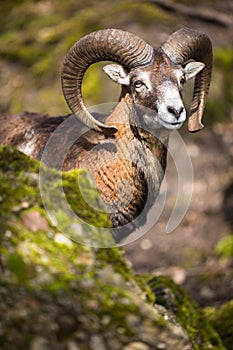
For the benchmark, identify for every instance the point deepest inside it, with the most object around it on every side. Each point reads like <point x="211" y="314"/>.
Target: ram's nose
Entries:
<point x="175" y="112"/>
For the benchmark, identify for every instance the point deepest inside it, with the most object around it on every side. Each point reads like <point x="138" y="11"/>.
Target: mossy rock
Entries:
<point x="221" y="318"/>
<point x="56" y="293"/>
<point x="181" y="309"/>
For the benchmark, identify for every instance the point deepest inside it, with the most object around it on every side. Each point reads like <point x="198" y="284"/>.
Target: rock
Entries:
<point x="59" y="294"/>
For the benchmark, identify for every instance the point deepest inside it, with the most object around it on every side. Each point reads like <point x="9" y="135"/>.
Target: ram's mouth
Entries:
<point x="170" y="125"/>
<point x="176" y="123"/>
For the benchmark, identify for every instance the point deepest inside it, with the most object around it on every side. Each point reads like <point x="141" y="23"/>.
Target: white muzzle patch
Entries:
<point x="171" y="112"/>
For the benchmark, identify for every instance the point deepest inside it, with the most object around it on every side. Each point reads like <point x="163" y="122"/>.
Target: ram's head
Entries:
<point x="152" y="78"/>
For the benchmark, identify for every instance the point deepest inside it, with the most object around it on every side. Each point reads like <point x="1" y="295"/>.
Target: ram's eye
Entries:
<point x="137" y="84"/>
<point x="182" y="81"/>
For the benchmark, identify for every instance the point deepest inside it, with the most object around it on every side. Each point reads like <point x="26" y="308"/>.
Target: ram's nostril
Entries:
<point x="171" y="110"/>
<point x="181" y="110"/>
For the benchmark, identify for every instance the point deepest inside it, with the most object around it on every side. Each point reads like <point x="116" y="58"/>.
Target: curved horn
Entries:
<point x="186" y="44"/>
<point x="104" y="45"/>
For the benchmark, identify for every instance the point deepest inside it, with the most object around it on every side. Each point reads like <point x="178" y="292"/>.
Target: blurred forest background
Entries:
<point x="35" y="35"/>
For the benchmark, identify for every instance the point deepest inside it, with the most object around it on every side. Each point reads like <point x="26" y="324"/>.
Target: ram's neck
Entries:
<point x="123" y="117"/>
<point x="130" y="168"/>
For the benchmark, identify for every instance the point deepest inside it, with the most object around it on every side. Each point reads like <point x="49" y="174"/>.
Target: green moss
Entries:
<point x="224" y="247"/>
<point x="22" y="215"/>
<point x="17" y="266"/>
<point x="221" y="319"/>
<point x="115" y="256"/>
<point x="186" y="313"/>
<point x="80" y="213"/>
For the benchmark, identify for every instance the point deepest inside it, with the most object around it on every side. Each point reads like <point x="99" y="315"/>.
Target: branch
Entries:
<point x="197" y="12"/>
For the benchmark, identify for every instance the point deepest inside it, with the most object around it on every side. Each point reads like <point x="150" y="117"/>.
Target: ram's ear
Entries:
<point x="117" y="73"/>
<point x="192" y="69"/>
